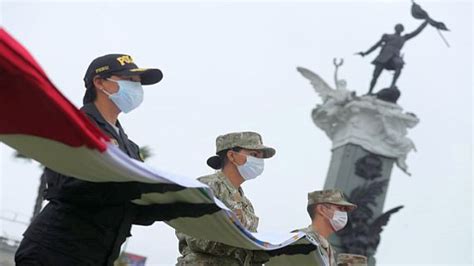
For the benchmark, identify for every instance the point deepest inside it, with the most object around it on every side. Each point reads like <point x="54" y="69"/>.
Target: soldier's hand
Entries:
<point x="361" y="54"/>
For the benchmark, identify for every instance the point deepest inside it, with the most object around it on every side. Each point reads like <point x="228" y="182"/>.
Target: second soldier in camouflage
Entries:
<point x="240" y="157"/>
<point x="328" y="212"/>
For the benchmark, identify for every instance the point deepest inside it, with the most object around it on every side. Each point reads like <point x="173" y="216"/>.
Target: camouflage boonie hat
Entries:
<point x="246" y="140"/>
<point x="332" y="196"/>
<point x="346" y="259"/>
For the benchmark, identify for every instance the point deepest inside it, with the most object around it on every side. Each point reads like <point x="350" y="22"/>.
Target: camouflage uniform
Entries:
<point x="346" y="259"/>
<point x="329" y="196"/>
<point x="247" y="140"/>
<point x="205" y="252"/>
<point x="325" y="248"/>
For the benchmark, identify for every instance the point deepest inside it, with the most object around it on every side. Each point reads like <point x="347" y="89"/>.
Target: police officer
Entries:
<point x="328" y="212"/>
<point x="346" y="259"/>
<point x="85" y="223"/>
<point x="240" y="157"/>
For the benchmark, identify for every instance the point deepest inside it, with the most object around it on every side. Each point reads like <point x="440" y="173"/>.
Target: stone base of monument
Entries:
<point x="364" y="177"/>
<point x="389" y="94"/>
<point x="368" y="137"/>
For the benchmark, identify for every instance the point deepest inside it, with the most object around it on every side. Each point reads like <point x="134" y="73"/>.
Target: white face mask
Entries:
<point x="338" y="220"/>
<point x="129" y="95"/>
<point x="252" y="168"/>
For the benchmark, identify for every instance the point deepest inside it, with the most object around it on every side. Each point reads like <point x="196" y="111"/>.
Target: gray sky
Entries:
<point x="232" y="66"/>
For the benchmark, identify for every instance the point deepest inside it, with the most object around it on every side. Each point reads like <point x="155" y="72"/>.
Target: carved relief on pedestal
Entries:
<point x="362" y="233"/>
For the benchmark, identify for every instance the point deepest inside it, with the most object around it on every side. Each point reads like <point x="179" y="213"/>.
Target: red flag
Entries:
<point x="31" y="105"/>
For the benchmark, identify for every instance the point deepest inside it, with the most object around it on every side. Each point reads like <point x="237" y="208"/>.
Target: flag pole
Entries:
<point x="442" y="37"/>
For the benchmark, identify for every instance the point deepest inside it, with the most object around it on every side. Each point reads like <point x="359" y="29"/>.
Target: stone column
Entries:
<point x="368" y="136"/>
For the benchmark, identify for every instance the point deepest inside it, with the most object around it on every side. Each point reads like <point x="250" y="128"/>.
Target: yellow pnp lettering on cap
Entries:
<point x="138" y="70"/>
<point x="101" y="69"/>
<point x="125" y="59"/>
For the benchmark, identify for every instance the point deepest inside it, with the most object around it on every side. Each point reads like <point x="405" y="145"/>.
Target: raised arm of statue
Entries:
<point x="416" y="32"/>
<point x="371" y="49"/>
<point x="337" y="65"/>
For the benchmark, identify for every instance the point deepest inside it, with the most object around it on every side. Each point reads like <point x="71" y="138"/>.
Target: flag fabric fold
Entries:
<point x="39" y="122"/>
<point x="419" y="13"/>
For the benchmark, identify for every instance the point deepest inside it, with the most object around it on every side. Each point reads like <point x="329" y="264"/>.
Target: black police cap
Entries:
<point x="122" y="65"/>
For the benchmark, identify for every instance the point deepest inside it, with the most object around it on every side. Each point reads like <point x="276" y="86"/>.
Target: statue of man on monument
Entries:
<point x="389" y="57"/>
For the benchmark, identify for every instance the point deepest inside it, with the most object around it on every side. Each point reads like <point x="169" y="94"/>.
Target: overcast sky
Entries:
<point x="231" y="67"/>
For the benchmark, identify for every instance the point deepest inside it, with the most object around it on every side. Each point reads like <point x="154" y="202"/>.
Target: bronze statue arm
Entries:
<point x="375" y="46"/>
<point x="417" y="31"/>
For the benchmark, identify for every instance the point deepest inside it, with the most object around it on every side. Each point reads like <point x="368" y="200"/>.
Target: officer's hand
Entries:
<point x="361" y="54"/>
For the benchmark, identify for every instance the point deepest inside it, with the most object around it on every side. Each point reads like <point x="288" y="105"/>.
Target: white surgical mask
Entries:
<point x="338" y="220"/>
<point x="129" y="95"/>
<point x="252" y="168"/>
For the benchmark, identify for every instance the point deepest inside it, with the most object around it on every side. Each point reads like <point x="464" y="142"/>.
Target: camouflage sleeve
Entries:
<point x="216" y="189"/>
<point x="240" y="205"/>
<point x="207" y="246"/>
<point x="210" y="247"/>
<point x="255" y="257"/>
<point x="217" y="248"/>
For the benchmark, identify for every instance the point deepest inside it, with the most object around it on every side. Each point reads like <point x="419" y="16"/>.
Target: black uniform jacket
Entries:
<point x="89" y="221"/>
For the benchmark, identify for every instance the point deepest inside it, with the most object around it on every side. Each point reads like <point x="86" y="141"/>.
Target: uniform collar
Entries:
<point x="322" y="240"/>
<point x="92" y="111"/>
<point x="228" y="184"/>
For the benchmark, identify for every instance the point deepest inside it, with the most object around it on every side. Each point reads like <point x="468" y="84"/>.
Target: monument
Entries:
<point x="369" y="136"/>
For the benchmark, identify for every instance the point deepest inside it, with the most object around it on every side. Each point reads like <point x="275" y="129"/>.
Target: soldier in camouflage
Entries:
<point x="346" y="259"/>
<point x="239" y="158"/>
<point x="328" y="212"/>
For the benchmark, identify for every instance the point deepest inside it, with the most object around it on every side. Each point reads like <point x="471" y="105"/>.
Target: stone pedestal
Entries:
<point x="368" y="136"/>
<point x="352" y="166"/>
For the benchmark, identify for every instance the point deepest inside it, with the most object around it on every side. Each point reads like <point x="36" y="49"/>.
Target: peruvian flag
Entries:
<point x="39" y="122"/>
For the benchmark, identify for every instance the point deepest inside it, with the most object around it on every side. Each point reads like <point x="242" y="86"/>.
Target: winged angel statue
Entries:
<point x="378" y="126"/>
<point x="333" y="99"/>
<point x="339" y="95"/>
